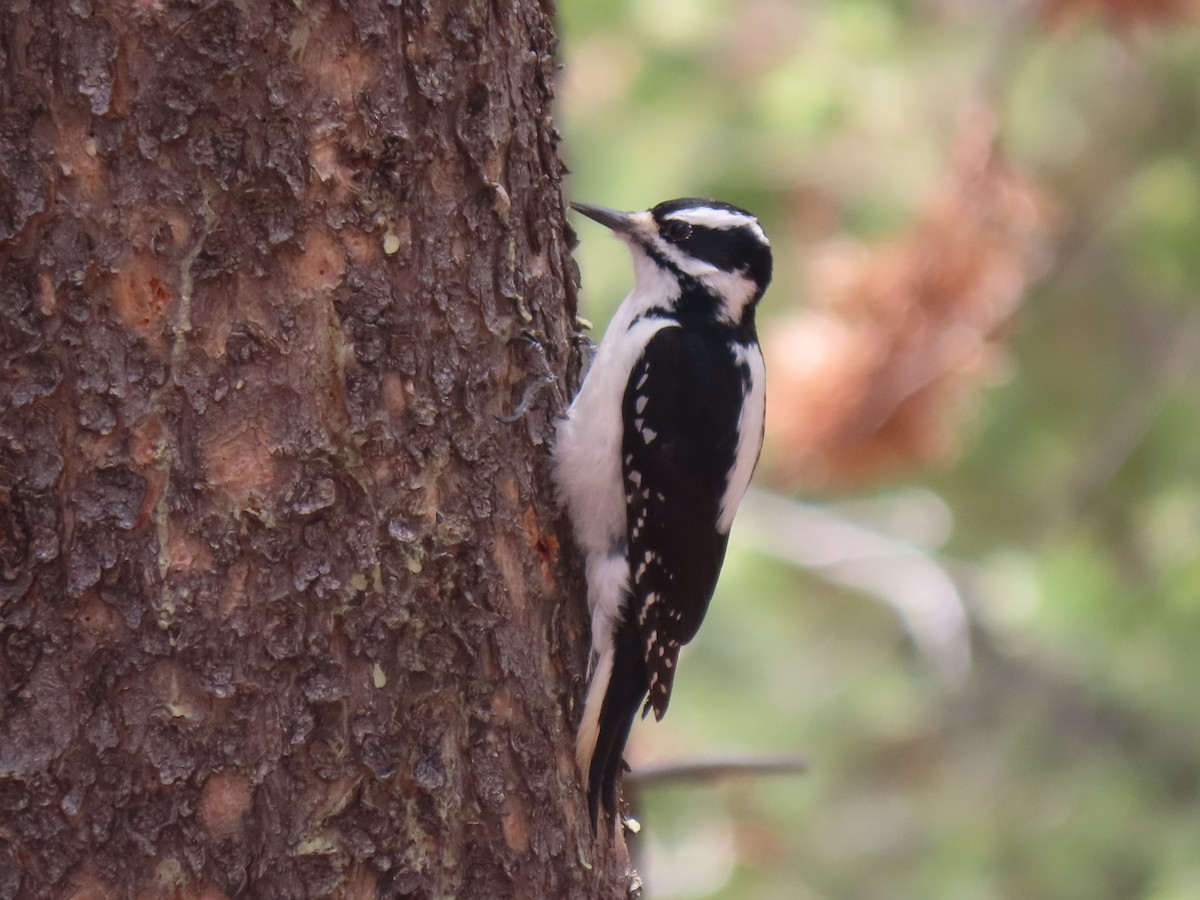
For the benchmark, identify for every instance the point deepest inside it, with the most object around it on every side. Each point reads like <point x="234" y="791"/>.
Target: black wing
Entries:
<point x="680" y="414"/>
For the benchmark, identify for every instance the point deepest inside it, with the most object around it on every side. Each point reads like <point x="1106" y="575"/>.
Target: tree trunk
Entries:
<point x="283" y="610"/>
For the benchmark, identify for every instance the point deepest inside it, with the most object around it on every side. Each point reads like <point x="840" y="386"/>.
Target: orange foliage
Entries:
<point x="1119" y="13"/>
<point x="871" y="380"/>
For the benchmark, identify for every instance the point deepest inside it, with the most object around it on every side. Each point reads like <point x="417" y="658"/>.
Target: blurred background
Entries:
<point x="967" y="588"/>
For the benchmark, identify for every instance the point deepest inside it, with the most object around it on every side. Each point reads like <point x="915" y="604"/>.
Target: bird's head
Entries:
<point x="698" y="243"/>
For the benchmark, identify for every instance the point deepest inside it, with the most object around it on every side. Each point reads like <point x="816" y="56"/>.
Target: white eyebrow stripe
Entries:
<point x="720" y="219"/>
<point x="712" y="218"/>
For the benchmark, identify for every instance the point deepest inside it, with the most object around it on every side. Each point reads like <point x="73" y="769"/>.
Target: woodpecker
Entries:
<point x="655" y="453"/>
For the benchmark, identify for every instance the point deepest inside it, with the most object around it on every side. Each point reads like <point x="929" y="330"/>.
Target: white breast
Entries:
<point x="587" y="451"/>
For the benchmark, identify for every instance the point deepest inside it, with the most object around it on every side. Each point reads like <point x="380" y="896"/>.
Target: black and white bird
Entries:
<point x="655" y="454"/>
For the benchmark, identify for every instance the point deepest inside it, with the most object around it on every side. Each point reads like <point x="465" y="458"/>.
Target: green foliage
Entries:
<point x="1067" y="763"/>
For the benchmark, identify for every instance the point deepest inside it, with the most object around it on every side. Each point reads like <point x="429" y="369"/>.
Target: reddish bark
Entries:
<point x="282" y="605"/>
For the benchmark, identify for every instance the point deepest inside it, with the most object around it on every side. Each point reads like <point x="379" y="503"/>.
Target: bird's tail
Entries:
<point x="617" y="690"/>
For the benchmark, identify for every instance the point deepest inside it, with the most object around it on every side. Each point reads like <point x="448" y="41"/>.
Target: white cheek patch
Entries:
<point x="688" y="265"/>
<point x="735" y="290"/>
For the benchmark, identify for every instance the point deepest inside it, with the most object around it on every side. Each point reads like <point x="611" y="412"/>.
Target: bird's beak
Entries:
<point x="620" y="222"/>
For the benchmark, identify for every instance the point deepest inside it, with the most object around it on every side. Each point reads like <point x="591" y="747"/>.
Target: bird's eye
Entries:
<point x="676" y="230"/>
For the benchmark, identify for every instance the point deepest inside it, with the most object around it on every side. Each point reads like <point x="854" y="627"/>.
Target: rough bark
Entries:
<point x="282" y="605"/>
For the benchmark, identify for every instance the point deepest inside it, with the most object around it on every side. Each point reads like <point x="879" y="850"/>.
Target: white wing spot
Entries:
<point x="649" y="434"/>
<point x="638" y="423"/>
<point x="669" y="663"/>
<point x="636" y="478"/>
<point x="642" y="380"/>
<point x="640" y="405"/>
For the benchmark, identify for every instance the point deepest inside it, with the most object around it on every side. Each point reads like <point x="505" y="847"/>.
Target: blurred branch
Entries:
<point x="906" y="577"/>
<point x="1080" y="719"/>
<point x="715" y="768"/>
<point x="1127" y="430"/>
<point x="1017" y="19"/>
